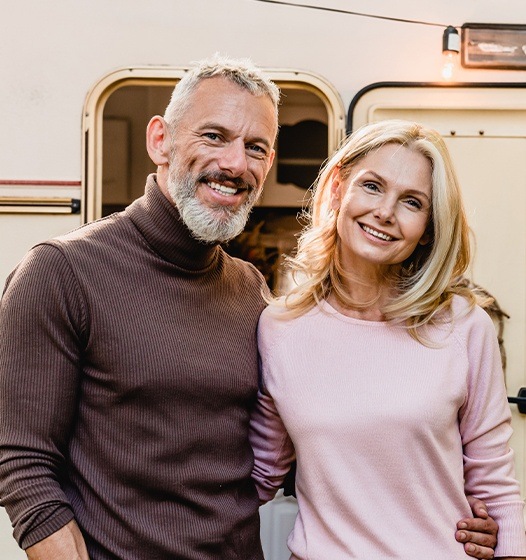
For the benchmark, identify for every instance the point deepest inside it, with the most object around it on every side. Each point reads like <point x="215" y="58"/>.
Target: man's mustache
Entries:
<point x="220" y="177"/>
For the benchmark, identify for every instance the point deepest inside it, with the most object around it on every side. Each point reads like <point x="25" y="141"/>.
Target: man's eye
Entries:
<point x="256" y="148"/>
<point x="211" y="135"/>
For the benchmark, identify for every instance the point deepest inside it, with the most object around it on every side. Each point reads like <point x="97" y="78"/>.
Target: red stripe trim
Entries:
<point x="40" y="183"/>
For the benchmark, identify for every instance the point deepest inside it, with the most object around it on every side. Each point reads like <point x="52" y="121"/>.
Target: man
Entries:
<point x="128" y="361"/>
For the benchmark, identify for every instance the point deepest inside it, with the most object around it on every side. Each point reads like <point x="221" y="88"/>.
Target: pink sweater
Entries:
<point x="389" y="434"/>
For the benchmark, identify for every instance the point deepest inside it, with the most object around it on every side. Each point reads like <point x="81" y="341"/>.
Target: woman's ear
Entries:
<point x="336" y="189"/>
<point x="158" y="141"/>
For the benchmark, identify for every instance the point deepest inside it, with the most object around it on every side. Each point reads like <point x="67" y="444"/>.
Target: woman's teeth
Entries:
<point x="377" y="234"/>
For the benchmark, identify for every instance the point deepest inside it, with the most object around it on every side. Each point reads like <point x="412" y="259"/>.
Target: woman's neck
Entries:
<point x="369" y="289"/>
<point x="369" y="301"/>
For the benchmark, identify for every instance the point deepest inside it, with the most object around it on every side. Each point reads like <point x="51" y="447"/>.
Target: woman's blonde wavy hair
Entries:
<point x="430" y="277"/>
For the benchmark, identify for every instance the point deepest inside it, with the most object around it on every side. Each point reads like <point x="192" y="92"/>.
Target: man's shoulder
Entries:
<point x="53" y="256"/>
<point x="85" y="244"/>
<point x="106" y="227"/>
<point x="244" y="269"/>
<point x="94" y="240"/>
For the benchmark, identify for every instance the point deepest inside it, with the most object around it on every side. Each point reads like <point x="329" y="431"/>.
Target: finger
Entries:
<point x="484" y="540"/>
<point x="479" y="510"/>
<point x="478" y="507"/>
<point x="479" y="525"/>
<point x="478" y="551"/>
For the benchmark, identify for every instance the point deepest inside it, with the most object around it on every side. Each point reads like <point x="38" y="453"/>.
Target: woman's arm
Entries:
<point x="273" y="449"/>
<point x="485" y="427"/>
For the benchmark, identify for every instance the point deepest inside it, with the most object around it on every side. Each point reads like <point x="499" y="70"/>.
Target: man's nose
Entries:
<point x="233" y="158"/>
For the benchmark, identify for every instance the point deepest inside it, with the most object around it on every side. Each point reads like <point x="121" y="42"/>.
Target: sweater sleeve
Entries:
<point x="273" y="448"/>
<point x="40" y="322"/>
<point x="485" y="426"/>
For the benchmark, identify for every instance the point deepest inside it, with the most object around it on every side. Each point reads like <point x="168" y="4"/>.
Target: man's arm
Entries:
<point x="40" y="318"/>
<point x="66" y="544"/>
<point x="479" y="534"/>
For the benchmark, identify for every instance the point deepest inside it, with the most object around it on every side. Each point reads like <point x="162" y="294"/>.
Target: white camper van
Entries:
<point x="79" y="81"/>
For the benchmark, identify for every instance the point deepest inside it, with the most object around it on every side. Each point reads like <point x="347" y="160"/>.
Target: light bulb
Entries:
<point x="449" y="65"/>
<point x="450" y="50"/>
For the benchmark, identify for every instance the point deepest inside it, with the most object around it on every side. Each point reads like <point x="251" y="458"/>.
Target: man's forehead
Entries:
<point x="219" y="101"/>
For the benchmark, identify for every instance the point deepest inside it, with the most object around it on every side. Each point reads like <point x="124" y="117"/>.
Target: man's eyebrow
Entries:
<point x="211" y="125"/>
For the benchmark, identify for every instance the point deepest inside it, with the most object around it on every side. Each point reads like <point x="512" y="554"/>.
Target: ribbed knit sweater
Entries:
<point x="389" y="434"/>
<point x="128" y="365"/>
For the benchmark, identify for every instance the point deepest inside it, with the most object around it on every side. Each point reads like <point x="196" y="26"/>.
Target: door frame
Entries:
<point x="92" y="117"/>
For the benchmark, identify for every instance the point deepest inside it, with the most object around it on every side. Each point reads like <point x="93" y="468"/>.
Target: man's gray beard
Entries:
<point x="211" y="225"/>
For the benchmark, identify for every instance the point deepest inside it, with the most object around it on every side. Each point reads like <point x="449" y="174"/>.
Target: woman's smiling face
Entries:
<point x="383" y="208"/>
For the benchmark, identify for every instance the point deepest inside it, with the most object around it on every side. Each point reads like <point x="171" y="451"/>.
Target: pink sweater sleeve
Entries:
<point x="485" y="426"/>
<point x="273" y="449"/>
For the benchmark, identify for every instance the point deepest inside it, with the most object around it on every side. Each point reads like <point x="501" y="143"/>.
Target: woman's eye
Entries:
<point x="414" y="203"/>
<point x="373" y="187"/>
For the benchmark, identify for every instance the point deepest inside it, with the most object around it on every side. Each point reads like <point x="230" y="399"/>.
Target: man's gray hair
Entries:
<point x="240" y="71"/>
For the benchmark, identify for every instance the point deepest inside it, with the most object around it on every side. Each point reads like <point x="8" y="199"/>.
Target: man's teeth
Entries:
<point x="223" y="189"/>
<point x="377" y="234"/>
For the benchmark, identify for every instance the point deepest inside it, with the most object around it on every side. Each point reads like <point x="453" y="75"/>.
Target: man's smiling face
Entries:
<point x="222" y="150"/>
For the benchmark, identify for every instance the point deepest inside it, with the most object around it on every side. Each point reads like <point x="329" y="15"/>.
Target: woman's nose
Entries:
<point x="384" y="211"/>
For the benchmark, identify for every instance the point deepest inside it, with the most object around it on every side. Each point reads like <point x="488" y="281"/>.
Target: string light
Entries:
<point x="450" y="38"/>
<point x="450" y="50"/>
<point x="350" y="13"/>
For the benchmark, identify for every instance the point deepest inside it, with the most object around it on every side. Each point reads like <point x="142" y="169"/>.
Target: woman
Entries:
<point x="380" y="370"/>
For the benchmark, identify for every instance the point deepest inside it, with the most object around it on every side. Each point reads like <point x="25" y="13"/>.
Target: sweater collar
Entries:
<point x="162" y="227"/>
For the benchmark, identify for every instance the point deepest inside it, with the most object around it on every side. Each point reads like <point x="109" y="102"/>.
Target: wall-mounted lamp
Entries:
<point x="450" y="50"/>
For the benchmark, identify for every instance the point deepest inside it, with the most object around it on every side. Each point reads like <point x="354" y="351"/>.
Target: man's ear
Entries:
<point x="158" y="141"/>
<point x="272" y="155"/>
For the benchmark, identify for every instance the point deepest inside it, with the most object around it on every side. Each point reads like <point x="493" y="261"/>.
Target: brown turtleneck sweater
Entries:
<point x="128" y="365"/>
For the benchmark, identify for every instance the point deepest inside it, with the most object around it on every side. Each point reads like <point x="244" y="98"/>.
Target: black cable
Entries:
<point x="348" y="12"/>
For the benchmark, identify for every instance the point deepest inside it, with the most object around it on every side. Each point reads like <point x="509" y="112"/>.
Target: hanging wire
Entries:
<point x="348" y="12"/>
